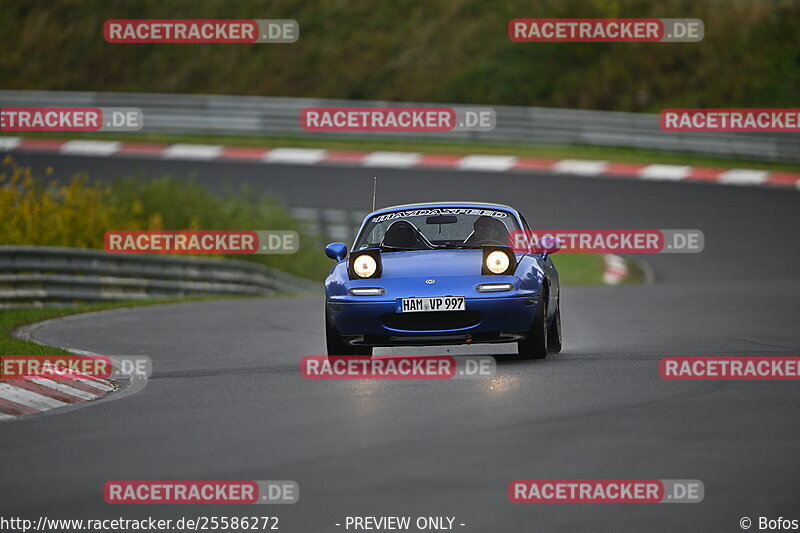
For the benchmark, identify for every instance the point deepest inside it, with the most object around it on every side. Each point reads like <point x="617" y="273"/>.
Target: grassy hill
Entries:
<point x="419" y="50"/>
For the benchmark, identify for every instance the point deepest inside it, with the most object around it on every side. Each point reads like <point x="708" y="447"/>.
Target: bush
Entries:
<point x="78" y="213"/>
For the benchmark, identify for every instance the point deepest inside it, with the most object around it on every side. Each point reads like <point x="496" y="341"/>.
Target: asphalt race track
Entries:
<point x="226" y="400"/>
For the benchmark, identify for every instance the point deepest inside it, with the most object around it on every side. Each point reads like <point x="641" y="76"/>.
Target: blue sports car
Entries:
<point x="441" y="274"/>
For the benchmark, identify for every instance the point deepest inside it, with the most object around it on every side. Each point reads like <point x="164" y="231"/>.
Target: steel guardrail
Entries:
<point x="280" y="117"/>
<point x="50" y="274"/>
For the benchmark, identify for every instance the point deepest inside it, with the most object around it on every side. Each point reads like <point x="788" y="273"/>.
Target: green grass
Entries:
<point x="587" y="269"/>
<point x="417" y="50"/>
<point x="579" y="269"/>
<point x="554" y="151"/>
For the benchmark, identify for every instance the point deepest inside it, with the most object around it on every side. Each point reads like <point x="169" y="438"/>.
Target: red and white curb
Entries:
<point x="616" y="269"/>
<point x="38" y="394"/>
<point x="32" y="395"/>
<point x="35" y="394"/>
<point x="483" y="163"/>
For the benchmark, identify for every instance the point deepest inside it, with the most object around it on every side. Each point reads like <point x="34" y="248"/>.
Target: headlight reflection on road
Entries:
<point x="502" y="384"/>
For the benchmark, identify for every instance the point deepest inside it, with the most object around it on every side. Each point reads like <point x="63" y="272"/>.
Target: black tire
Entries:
<point x="535" y="346"/>
<point x="336" y="346"/>
<point x="554" y="331"/>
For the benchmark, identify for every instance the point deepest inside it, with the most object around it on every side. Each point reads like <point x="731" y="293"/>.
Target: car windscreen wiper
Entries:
<point x="462" y="246"/>
<point x="400" y="248"/>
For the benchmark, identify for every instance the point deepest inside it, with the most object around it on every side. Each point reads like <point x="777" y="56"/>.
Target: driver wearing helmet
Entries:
<point x="487" y="230"/>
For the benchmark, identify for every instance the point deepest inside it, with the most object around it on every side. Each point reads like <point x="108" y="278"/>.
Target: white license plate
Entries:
<point x="431" y="303"/>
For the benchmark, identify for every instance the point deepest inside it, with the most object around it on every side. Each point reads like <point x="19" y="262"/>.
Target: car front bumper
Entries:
<point x="486" y="319"/>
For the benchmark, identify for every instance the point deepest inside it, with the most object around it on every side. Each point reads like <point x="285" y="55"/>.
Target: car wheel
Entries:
<point x="335" y="344"/>
<point x="554" y="332"/>
<point x="535" y="346"/>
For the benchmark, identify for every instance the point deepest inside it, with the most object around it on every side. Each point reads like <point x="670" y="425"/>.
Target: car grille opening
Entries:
<point x="432" y="320"/>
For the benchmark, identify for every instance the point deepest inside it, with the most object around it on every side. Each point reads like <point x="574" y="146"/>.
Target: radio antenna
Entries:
<point x="374" y="190"/>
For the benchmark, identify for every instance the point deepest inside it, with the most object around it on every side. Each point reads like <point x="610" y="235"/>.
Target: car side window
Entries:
<point x="527" y="227"/>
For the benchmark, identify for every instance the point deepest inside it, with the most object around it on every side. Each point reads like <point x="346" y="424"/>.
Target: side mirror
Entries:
<point x="549" y="245"/>
<point x="336" y="251"/>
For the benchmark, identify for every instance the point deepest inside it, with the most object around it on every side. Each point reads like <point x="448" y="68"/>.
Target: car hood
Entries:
<point x="407" y="274"/>
<point x="431" y="263"/>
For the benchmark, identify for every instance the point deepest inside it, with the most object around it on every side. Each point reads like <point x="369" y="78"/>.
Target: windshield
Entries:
<point x="433" y="228"/>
